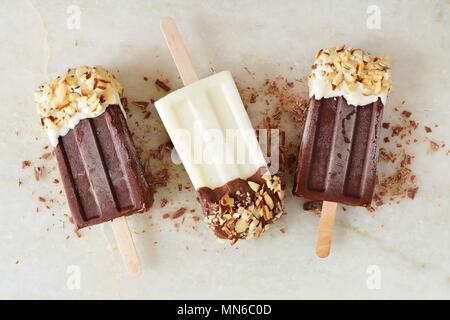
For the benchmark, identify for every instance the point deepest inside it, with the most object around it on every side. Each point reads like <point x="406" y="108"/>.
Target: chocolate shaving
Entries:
<point x="163" y="202"/>
<point x="38" y="172"/>
<point x="406" y="114"/>
<point x="26" y="164"/>
<point x="412" y="193"/>
<point x="434" y="146"/>
<point x="161" y="178"/>
<point x="46" y="156"/>
<point x="162" y="85"/>
<point x="178" y="213"/>
<point x="140" y="104"/>
<point x="387" y="155"/>
<point x="396" y="130"/>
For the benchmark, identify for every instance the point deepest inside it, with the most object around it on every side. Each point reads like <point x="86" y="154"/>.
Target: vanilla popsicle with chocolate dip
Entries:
<point x="214" y="138"/>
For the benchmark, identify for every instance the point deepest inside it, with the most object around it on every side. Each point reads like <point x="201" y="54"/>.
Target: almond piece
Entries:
<point x="268" y="200"/>
<point x="226" y="200"/>
<point x="267" y="176"/>
<point x="266" y="213"/>
<point x="254" y="186"/>
<point x="253" y="225"/>
<point x="240" y="226"/>
<point x="338" y="79"/>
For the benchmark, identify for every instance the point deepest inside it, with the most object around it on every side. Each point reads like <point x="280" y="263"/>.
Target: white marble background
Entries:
<point x="408" y="243"/>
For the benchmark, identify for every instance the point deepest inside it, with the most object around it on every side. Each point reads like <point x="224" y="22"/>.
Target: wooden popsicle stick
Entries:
<point x="326" y="225"/>
<point x="178" y="51"/>
<point x="126" y="246"/>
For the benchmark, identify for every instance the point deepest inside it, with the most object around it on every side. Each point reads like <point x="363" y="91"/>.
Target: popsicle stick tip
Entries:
<point x="126" y="246"/>
<point x="326" y="226"/>
<point x="134" y="270"/>
<point x="323" y="252"/>
<point x="164" y="21"/>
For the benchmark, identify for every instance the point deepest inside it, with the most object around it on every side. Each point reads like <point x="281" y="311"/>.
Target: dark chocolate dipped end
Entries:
<point x="243" y="208"/>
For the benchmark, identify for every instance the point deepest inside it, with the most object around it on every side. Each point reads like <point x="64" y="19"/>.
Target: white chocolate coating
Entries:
<point x="83" y="92"/>
<point x="352" y="73"/>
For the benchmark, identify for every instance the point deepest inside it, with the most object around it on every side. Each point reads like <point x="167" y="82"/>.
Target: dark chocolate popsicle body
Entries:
<point x="339" y="151"/>
<point x="102" y="176"/>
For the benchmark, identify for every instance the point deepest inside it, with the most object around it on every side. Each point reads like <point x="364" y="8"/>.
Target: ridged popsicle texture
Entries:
<point x="100" y="170"/>
<point x="339" y="150"/>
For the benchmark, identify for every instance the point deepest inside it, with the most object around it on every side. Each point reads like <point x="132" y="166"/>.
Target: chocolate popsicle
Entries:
<point x="103" y="179"/>
<point x="100" y="170"/>
<point x="338" y="160"/>
<point x="339" y="150"/>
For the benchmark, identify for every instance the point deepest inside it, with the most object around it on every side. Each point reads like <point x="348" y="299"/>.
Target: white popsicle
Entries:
<point x="212" y="133"/>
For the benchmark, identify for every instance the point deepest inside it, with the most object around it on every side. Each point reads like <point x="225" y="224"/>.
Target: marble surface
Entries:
<point x="406" y="244"/>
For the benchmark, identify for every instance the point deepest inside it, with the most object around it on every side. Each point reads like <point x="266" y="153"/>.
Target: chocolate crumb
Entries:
<point x="434" y="146"/>
<point x="140" y="104"/>
<point x="248" y="71"/>
<point x="178" y="213"/>
<point x="413" y="124"/>
<point x="166" y="215"/>
<point x="147" y="115"/>
<point x="412" y="193"/>
<point x="161" y="178"/>
<point x="26" y="164"/>
<point x="406" y="114"/>
<point x="396" y="130"/>
<point x="385" y="125"/>
<point x="46" y="156"/>
<point x="38" y="172"/>
<point x="162" y="85"/>
<point x="315" y="206"/>
<point x="387" y="155"/>
<point x="283" y="230"/>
